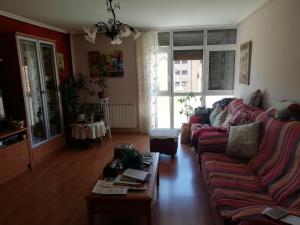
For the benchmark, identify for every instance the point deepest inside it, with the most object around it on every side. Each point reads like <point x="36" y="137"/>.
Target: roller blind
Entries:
<point x="188" y="55"/>
<point x="188" y="38"/>
<point x="221" y="37"/>
<point x="221" y="70"/>
<point x="164" y="39"/>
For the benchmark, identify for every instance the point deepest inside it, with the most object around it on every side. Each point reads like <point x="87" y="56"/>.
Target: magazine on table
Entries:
<point x="282" y="215"/>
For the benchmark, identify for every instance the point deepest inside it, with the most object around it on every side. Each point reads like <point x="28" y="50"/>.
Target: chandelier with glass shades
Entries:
<point x="115" y="29"/>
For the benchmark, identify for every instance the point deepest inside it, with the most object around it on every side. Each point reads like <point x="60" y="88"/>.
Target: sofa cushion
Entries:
<point x="195" y="119"/>
<point x="243" y="140"/>
<point x="230" y="199"/>
<point x="212" y="116"/>
<point x="194" y="133"/>
<point x="254" y="98"/>
<point x="226" y="122"/>
<point x="218" y="169"/>
<point x="223" y="102"/>
<point x="242" y="115"/>
<point x="214" y="141"/>
<point x="285" y="110"/>
<point x="220" y="119"/>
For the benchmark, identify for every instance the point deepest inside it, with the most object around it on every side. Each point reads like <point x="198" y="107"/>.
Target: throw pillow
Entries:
<point x="285" y="110"/>
<point x="204" y="113"/>
<point x="223" y="102"/>
<point x="227" y="120"/>
<point x="220" y="119"/>
<point x="254" y="98"/>
<point x="243" y="140"/>
<point x="214" y="113"/>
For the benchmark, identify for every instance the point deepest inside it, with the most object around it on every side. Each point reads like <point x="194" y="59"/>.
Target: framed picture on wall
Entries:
<point x="94" y="63"/>
<point x="245" y="62"/>
<point x="60" y="61"/>
<point x="114" y="64"/>
<point x="109" y="64"/>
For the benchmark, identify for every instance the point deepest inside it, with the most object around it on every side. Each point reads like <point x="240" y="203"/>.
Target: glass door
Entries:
<point x="187" y="78"/>
<point x="50" y="79"/>
<point x="33" y="90"/>
<point x="40" y="84"/>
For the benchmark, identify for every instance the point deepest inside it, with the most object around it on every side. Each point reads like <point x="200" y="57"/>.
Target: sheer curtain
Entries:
<point x="147" y="47"/>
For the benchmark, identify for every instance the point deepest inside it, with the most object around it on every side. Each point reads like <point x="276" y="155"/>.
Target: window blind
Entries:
<point x="221" y="70"/>
<point x="221" y="37"/>
<point x="188" y="55"/>
<point x="188" y="38"/>
<point x="164" y="39"/>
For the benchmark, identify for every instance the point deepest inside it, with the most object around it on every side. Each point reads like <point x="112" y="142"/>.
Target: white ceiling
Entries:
<point x="72" y="15"/>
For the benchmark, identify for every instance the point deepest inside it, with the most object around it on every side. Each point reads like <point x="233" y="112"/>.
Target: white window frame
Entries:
<point x="205" y="68"/>
<point x="212" y="48"/>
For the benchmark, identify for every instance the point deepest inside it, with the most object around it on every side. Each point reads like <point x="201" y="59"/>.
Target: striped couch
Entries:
<point x="205" y="138"/>
<point x="240" y="190"/>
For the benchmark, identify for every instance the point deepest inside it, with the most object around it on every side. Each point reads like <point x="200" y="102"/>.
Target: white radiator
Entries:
<point x="122" y="114"/>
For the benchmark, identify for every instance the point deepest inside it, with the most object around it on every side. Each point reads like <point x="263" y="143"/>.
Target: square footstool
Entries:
<point x="164" y="141"/>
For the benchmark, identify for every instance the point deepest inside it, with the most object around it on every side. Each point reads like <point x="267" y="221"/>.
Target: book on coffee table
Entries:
<point x="135" y="174"/>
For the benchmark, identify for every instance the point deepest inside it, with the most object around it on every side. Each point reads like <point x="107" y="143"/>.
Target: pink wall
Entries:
<point x="123" y="89"/>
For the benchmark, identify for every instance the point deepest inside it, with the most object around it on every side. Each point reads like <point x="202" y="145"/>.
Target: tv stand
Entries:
<point x="14" y="154"/>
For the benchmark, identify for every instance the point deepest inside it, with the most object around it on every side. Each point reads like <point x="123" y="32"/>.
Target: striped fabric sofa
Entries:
<point x="205" y="138"/>
<point x="239" y="190"/>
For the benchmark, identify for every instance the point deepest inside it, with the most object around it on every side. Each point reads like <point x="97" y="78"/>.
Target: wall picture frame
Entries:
<point x="245" y="62"/>
<point x="60" y="61"/>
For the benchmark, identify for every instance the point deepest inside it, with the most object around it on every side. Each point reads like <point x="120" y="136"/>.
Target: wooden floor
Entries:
<point x="52" y="193"/>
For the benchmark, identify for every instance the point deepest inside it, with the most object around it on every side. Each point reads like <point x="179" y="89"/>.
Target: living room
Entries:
<point x="48" y="171"/>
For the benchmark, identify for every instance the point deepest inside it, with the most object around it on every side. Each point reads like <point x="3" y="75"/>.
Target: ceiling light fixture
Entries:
<point x="115" y="30"/>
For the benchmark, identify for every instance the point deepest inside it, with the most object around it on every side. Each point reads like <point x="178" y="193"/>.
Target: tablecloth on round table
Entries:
<point x="88" y="130"/>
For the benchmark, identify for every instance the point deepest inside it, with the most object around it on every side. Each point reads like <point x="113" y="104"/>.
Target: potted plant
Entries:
<point x="187" y="110"/>
<point x="102" y="84"/>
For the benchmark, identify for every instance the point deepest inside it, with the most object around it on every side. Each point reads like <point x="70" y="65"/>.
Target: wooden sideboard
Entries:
<point x="14" y="153"/>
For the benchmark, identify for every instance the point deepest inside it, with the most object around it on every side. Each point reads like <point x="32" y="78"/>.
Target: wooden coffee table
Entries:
<point x="134" y="203"/>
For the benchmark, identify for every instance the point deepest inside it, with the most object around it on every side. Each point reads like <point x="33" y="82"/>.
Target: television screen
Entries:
<point x="2" y="112"/>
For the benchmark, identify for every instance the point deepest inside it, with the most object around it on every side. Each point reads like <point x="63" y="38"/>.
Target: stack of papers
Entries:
<point x="106" y="188"/>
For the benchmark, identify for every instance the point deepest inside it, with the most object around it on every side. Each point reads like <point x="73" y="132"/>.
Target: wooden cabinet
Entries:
<point x="30" y="84"/>
<point x="14" y="157"/>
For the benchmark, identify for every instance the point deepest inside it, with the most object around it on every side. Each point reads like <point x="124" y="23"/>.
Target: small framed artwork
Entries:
<point x="94" y="63"/>
<point x="245" y="62"/>
<point x="114" y="64"/>
<point x="60" y="61"/>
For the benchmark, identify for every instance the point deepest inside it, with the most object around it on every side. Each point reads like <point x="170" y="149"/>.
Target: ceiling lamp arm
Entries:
<point x="102" y="27"/>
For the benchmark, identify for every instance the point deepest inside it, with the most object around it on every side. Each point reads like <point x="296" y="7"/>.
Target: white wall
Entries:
<point x="274" y="31"/>
<point x="123" y="89"/>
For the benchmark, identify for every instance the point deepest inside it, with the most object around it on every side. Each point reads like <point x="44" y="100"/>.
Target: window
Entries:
<point x="221" y="37"/>
<point x="221" y="70"/>
<point x="188" y="38"/>
<point x="187" y="55"/>
<point x="191" y="71"/>
<point x="184" y="83"/>
<point x="184" y="72"/>
<point x="164" y="39"/>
